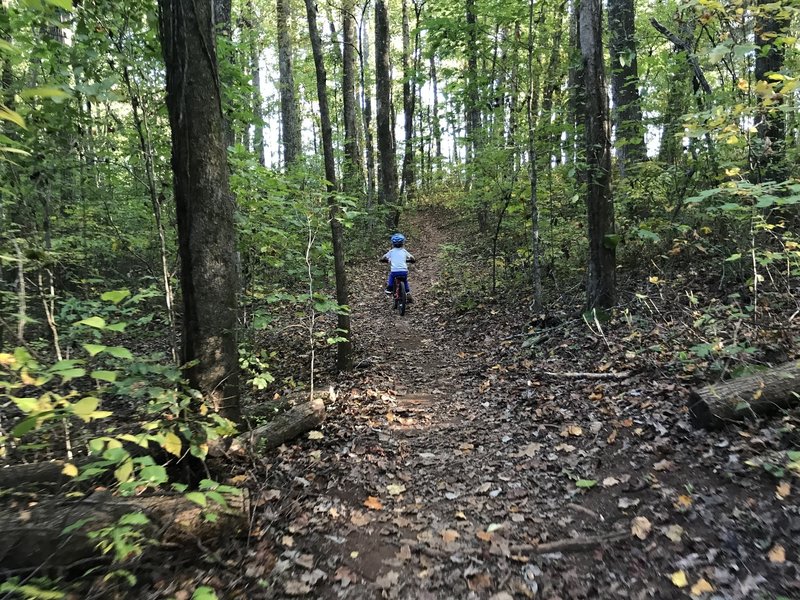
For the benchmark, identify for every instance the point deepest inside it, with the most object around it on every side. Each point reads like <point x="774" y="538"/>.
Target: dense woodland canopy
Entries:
<point x="189" y="190"/>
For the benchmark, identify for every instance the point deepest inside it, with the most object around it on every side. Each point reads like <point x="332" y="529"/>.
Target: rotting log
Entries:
<point x="32" y="534"/>
<point x="760" y="394"/>
<point x="38" y="475"/>
<point x="283" y="428"/>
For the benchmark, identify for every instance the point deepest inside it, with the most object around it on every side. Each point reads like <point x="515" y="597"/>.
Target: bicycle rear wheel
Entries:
<point x="401" y="299"/>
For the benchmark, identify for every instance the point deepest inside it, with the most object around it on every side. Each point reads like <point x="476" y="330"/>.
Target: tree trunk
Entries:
<point x="627" y="113"/>
<point x="255" y="69"/>
<point x="601" y="283"/>
<point x="473" y="114"/>
<point x="437" y="126"/>
<point x="204" y="204"/>
<point x="364" y="44"/>
<point x="344" y="354"/>
<point x="353" y="172"/>
<point x="221" y="16"/>
<point x="383" y="87"/>
<point x="536" y="271"/>
<point x="283" y="428"/>
<point x="577" y="92"/>
<point x="772" y="22"/>
<point x="409" y="89"/>
<point x="290" y="112"/>
<point x="763" y="393"/>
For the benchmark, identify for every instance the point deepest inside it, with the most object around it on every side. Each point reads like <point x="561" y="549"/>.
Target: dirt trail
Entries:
<point x="448" y="456"/>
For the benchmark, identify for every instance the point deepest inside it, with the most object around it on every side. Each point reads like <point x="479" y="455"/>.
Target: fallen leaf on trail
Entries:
<point x="586" y="483"/>
<point x="344" y="575"/>
<point x="610" y="481"/>
<point x="777" y="555"/>
<point x="388" y="580"/>
<point x="627" y="422"/>
<point x="354" y="554"/>
<point x="595" y="426"/>
<point x="460" y="515"/>
<point x="359" y="519"/>
<point x="479" y="581"/>
<point x="484" y="535"/>
<point x="683" y="501"/>
<point x="373" y="503"/>
<point x="664" y="465"/>
<point x="612" y="437"/>
<point x="493" y="527"/>
<point x="701" y="587"/>
<point x="449" y="535"/>
<point x="296" y="588"/>
<point x="594" y="396"/>
<point x="640" y="527"/>
<point x="394" y="489"/>
<point x="573" y="430"/>
<point x="404" y="553"/>
<point x="305" y="560"/>
<point x="502" y="596"/>
<point x="315" y="435"/>
<point x="530" y="450"/>
<point x="389" y="416"/>
<point x="624" y="503"/>
<point x="679" y="579"/>
<point x="466" y="446"/>
<point x="287" y="541"/>
<point x="782" y="490"/>
<point x="674" y="533"/>
<point x="566" y="447"/>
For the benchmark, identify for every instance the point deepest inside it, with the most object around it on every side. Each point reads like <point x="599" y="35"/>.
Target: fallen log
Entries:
<point x="284" y="427"/>
<point x="760" y="394"/>
<point x="36" y="475"/>
<point x="33" y="537"/>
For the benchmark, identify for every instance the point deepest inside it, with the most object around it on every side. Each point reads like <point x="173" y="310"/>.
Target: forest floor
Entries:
<point x="452" y="464"/>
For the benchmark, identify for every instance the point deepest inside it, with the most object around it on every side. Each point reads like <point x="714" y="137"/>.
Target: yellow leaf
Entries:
<point x="373" y="503"/>
<point x="701" y="587"/>
<point x="654" y="279"/>
<point x="315" y="435"/>
<point x="6" y="359"/>
<point x="172" y="443"/>
<point x="782" y="490"/>
<point x="70" y="470"/>
<point x="777" y="555"/>
<point x="679" y="579"/>
<point x="394" y="489"/>
<point x="124" y="471"/>
<point x="732" y="172"/>
<point x="683" y="501"/>
<point x="640" y="527"/>
<point x="7" y="114"/>
<point x="732" y="140"/>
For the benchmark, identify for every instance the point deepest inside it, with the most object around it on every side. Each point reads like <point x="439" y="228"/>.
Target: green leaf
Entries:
<point x="109" y="376"/>
<point x="197" y="498"/>
<point x="154" y="474"/>
<point x="119" y="352"/>
<point x="24" y="426"/>
<point x="94" y="349"/>
<point x="44" y="92"/>
<point x="68" y="374"/>
<point x="62" y="4"/>
<point x="115" y="296"/>
<point x="85" y="407"/>
<point x="96" y="322"/>
<point x="794" y="455"/>
<point x="117" y="326"/>
<point x="611" y="241"/>
<point x="204" y="593"/>
<point x="133" y="519"/>
<point x="586" y="483"/>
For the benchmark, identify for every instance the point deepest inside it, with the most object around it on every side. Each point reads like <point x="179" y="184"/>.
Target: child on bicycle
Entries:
<point x="398" y="257"/>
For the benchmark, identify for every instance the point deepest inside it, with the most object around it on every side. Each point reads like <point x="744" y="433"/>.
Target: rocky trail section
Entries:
<point x="453" y="465"/>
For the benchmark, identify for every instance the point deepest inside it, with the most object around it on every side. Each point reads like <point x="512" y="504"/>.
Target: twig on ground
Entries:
<point x="573" y="375"/>
<point x="580" y="544"/>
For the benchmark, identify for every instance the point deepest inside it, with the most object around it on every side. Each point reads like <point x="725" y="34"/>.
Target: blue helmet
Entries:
<point x="398" y="239"/>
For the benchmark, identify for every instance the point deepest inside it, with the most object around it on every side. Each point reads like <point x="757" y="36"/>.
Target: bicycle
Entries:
<point x="399" y="300"/>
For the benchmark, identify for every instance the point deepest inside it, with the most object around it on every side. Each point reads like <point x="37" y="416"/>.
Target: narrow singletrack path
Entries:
<point x="448" y="457"/>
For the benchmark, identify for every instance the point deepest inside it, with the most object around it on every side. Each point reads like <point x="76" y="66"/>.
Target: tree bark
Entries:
<point x="364" y="44"/>
<point x="473" y="114"/>
<point x="601" y="281"/>
<point x="204" y="204"/>
<point x="353" y="172"/>
<point x="763" y="393"/>
<point x="344" y="349"/>
<point x="383" y="87"/>
<point x="409" y="89"/>
<point x="627" y="113"/>
<point x="437" y="126"/>
<point x="259" y="146"/>
<point x="285" y="427"/>
<point x="34" y="538"/>
<point x="536" y="272"/>
<point x="772" y="23"/>
<point x="290" y="113"/>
